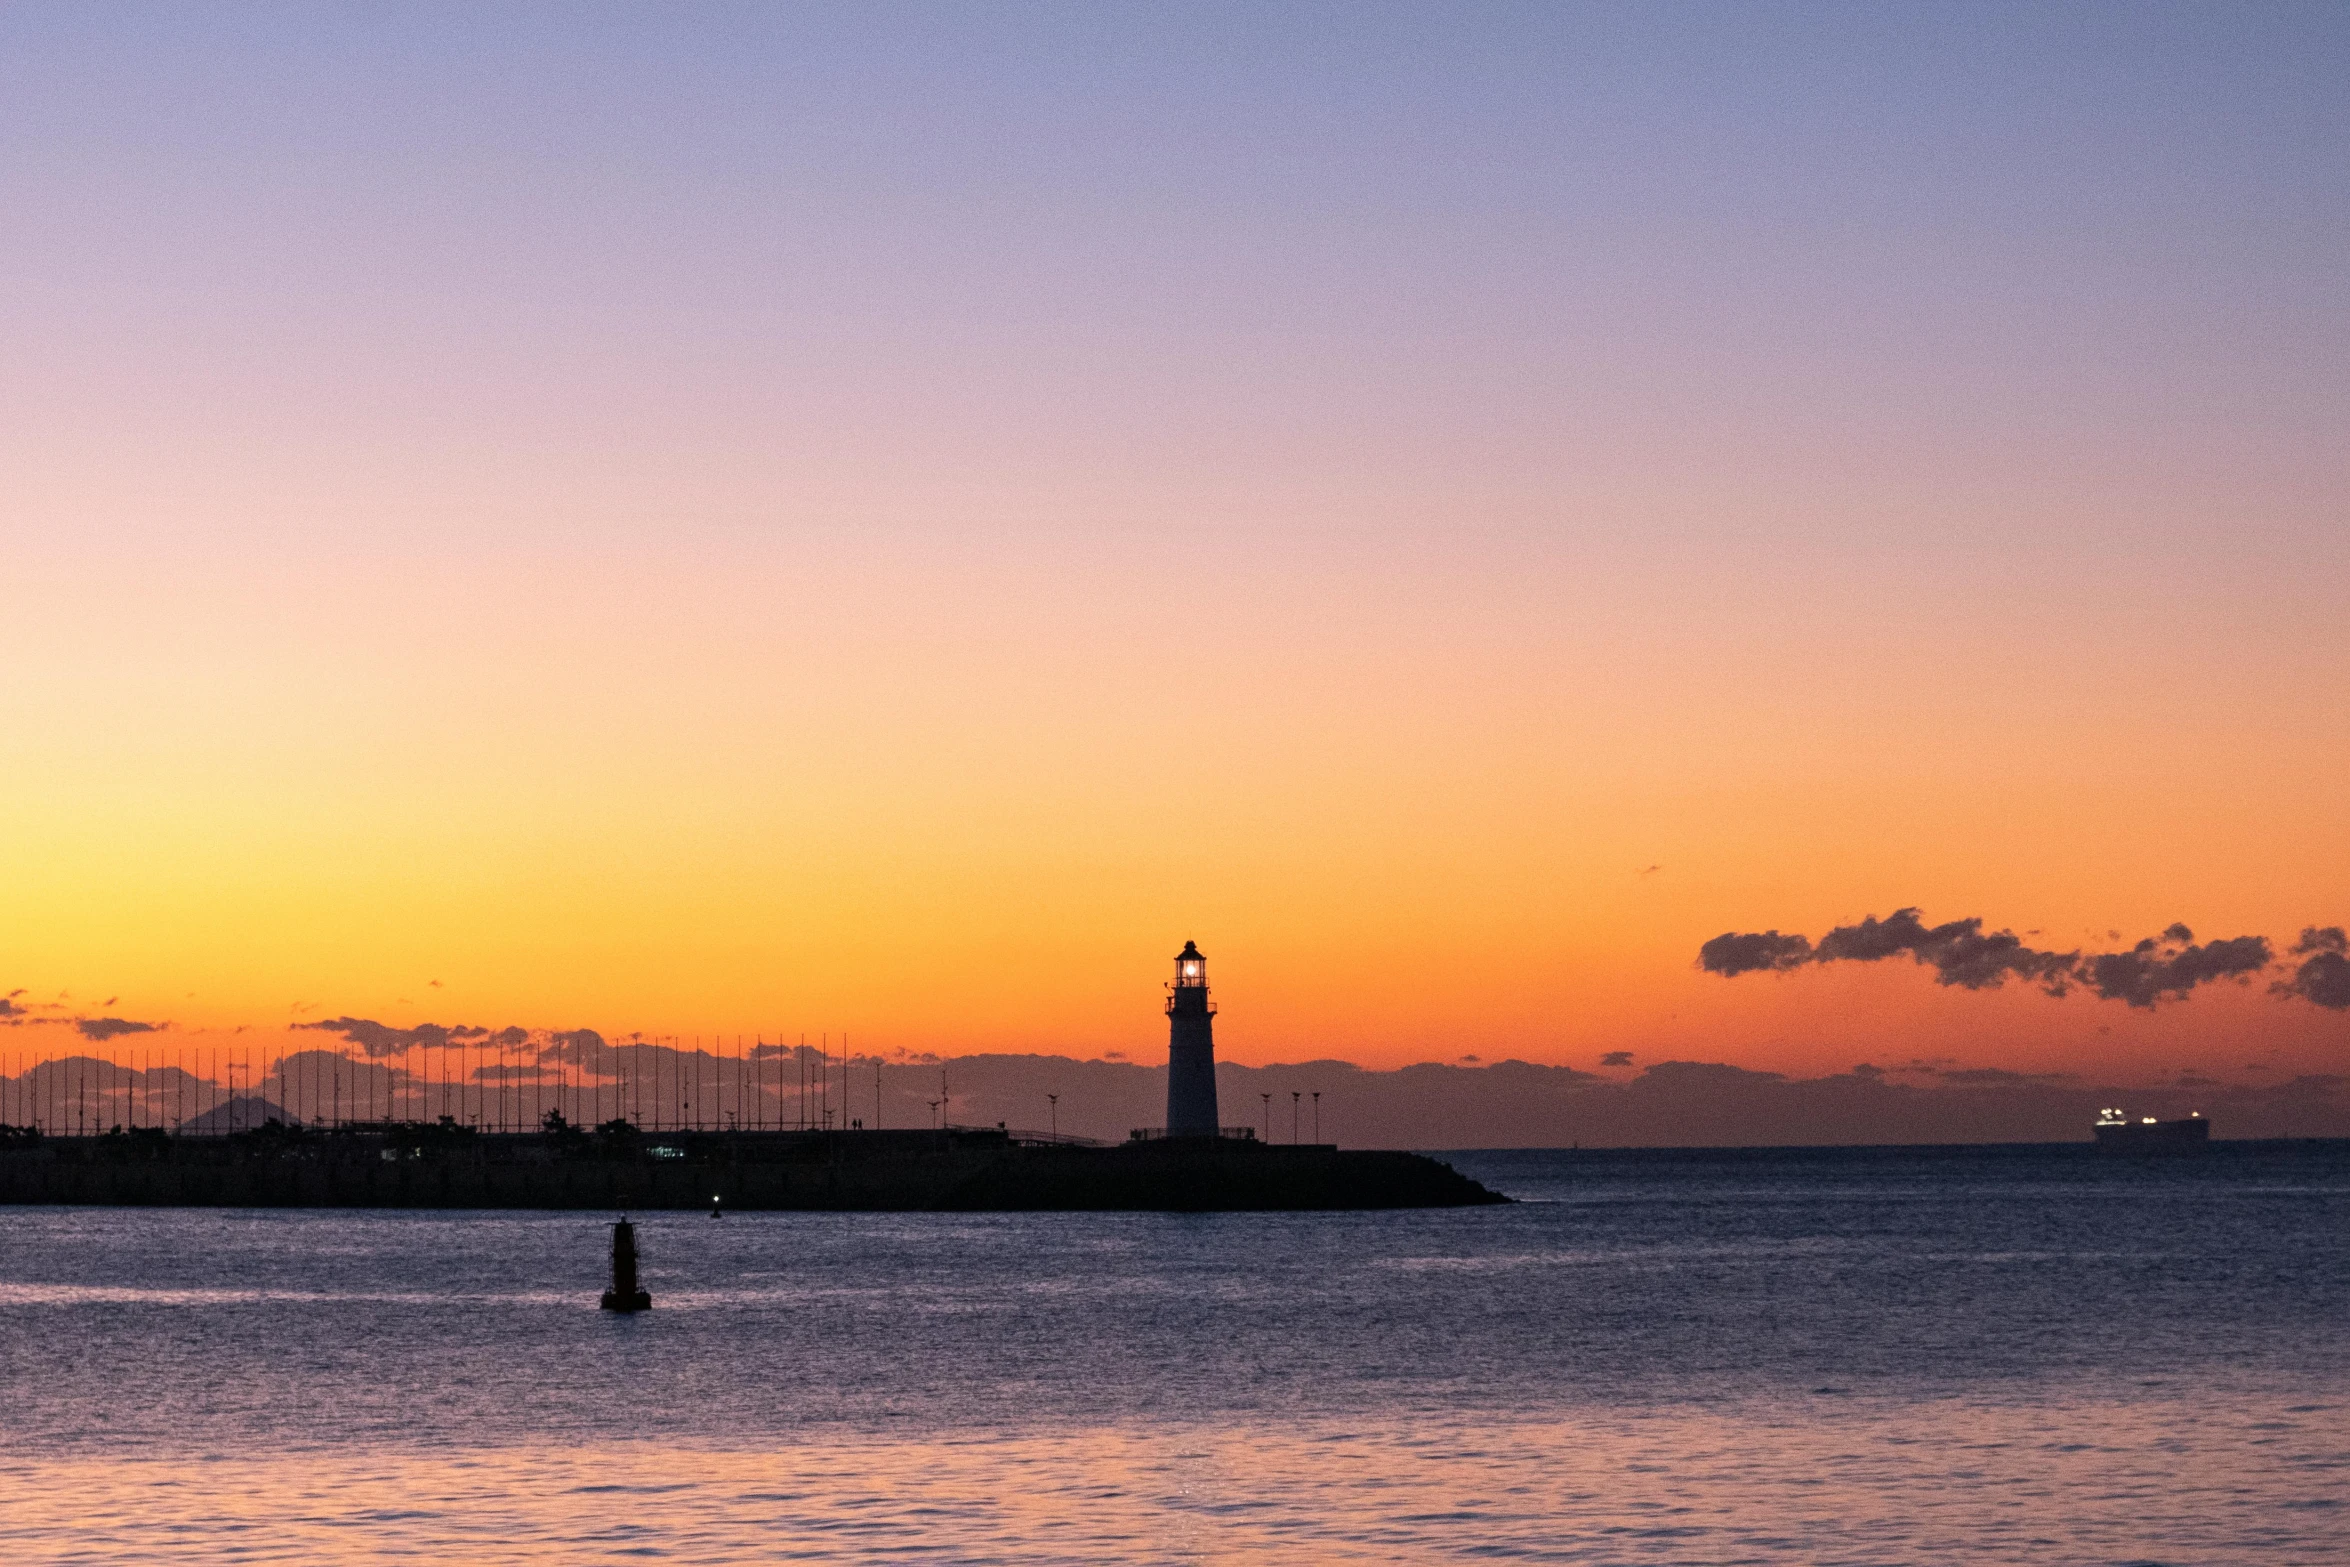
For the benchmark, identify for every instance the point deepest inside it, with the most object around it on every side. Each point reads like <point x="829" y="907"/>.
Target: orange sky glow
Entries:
<point x="901" y="561"/>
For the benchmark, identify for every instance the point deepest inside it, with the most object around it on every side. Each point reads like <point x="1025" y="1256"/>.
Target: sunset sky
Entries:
<point x="889" y="519"/>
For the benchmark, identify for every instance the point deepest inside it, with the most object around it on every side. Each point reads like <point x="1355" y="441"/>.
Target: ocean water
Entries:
<point x="2004" y="1356"/>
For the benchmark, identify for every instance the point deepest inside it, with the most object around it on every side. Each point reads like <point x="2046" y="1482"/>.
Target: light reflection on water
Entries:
<point x="1776" y="1364"/>
<point x="1791" y="1481"/>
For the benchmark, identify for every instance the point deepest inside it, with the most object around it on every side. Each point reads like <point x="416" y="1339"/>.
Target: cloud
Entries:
<point x="1958" y="952"/>
<point x="109" y="1027"/>
<point x="1616" y="1058"/>
<point x="1703" y="1076"/>
<point x="2171" y="966"/>
<point x="8" y="1006"/>
<point x="575" y="1044"/>
<point x="379" y="1039"/>
<point x="2165" y="967"/>
<point x="2323" y="975"/>
<point x="1731" y="953"/>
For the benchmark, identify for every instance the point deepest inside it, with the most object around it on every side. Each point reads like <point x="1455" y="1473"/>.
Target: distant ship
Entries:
<point x="2117" y="1133"/>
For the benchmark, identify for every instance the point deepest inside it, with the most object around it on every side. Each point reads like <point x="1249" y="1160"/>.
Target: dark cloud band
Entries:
<point x="379" y="1039"/>
<point x="2161" y="968"/>
<point x="103" y="1028"/>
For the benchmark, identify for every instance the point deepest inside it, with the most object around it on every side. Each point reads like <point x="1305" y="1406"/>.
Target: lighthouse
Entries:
<point x="1191" y="1049"/>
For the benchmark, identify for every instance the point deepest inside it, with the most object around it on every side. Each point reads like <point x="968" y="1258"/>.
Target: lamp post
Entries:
<point x="1268" y="1098"/>
<point x="1317" y="1117"/>
<point x="1054" y="1100"/>
<point x="1294" y="1097"/>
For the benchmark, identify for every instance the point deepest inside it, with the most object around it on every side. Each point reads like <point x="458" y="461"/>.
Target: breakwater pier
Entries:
<point x="446" y="1165"/>
<point x="570" y="1120"/>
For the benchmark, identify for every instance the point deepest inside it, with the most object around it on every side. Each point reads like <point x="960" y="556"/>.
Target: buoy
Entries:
<point x="714" y="1209"/>
<point x="624" y="1295"/>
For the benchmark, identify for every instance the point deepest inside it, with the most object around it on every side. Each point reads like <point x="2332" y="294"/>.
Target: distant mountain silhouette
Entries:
<point x="1499" y="1104"/>
<point x="235" y="1115"/>
<point x="1516" y="1104"/>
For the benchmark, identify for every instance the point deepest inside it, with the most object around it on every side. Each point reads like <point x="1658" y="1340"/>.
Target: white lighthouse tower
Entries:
<point x="1191" y="1049"/>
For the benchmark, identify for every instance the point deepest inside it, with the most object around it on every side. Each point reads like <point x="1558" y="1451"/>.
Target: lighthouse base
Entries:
<point x="613" y="1300"/>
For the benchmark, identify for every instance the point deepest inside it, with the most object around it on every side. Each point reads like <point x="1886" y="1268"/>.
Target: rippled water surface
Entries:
<point x="2000" y="1357"/>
